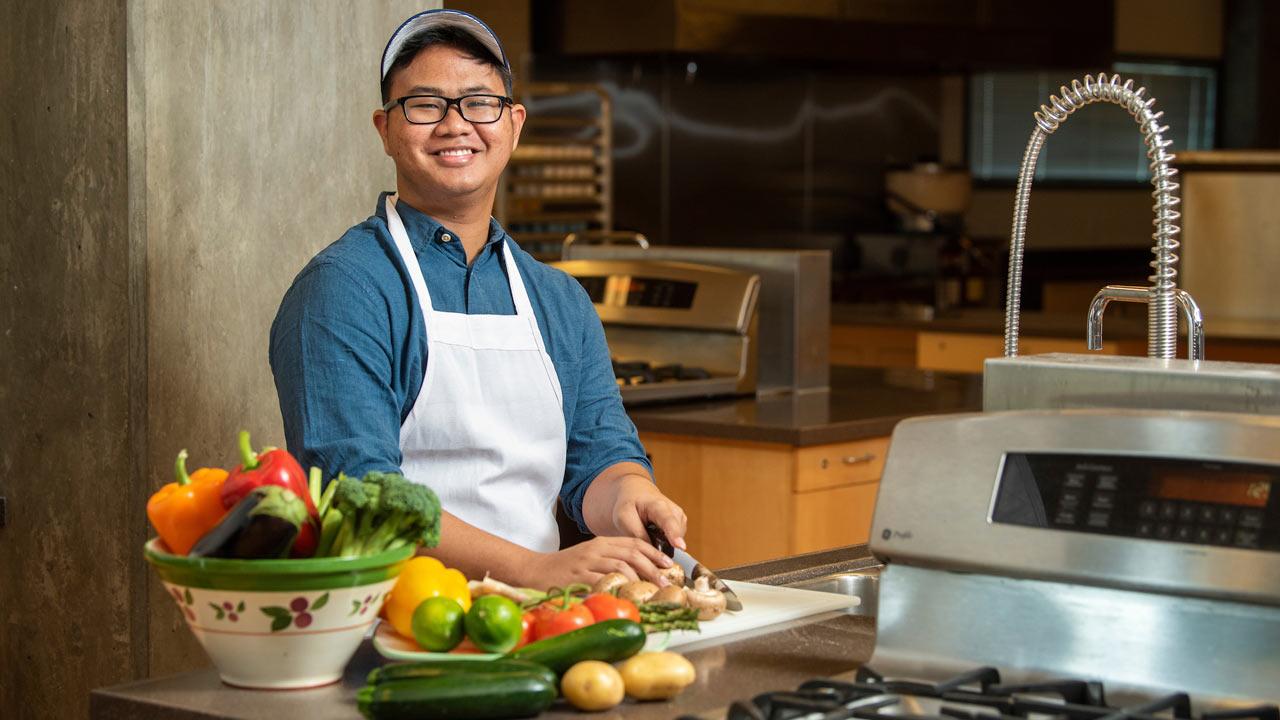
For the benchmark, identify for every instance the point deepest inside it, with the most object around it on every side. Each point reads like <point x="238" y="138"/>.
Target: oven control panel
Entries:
<point x="1223" y="504"/>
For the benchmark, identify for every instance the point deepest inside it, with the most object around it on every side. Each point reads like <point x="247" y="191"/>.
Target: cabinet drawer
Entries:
<point x="833" y="518"/>
<point x="829" y="466"/>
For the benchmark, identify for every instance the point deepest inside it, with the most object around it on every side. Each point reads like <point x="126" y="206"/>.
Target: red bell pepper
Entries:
<point x="273" y="466"/>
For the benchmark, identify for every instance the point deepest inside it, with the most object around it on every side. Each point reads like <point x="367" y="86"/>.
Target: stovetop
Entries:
<point x="977" y="694"/>
<point x="639" y="372"/>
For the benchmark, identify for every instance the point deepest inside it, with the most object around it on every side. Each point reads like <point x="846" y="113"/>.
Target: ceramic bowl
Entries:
<point x="278" y="624"/>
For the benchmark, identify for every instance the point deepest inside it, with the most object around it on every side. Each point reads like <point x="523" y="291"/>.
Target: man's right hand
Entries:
<point x="588" y="561"/>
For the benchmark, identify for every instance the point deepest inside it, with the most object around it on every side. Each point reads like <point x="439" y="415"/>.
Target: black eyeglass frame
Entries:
<point x="448" y="102"/>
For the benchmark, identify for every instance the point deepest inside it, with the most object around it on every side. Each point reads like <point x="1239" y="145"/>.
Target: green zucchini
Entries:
<point x="608" y="641"/>
<point x="457" y="696"/>
<point x="436" y="668"/>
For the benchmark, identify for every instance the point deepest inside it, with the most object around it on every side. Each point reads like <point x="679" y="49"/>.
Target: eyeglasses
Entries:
<point x="431" y="109"/>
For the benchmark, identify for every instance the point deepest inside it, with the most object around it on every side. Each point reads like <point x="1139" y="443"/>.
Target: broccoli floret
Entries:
<point x="380" y="512"/>
<point x="408" y="514"/>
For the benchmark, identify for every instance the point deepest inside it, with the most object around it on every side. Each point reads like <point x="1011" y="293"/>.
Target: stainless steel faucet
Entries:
<point x="1163" y="296"/>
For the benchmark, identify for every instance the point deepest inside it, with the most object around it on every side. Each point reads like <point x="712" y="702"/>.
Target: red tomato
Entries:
<point x="527" y="623"/>
<point x="604" y="606"/>
<point x="556" y="621"/>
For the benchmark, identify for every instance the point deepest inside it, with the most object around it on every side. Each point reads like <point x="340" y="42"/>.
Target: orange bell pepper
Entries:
<point x="184" y="510"/>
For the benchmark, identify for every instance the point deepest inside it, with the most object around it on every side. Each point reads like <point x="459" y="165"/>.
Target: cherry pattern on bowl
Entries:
<point x="228" y="611"/>
<point x="360" y="607"/>
<point x="298" y="614"/>
<point x="185" y="601"/>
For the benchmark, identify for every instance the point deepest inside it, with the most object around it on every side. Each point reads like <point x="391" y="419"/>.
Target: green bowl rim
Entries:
<point x="290" y="566"/>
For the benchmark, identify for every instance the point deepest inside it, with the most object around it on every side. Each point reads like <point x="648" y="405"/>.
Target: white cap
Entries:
<point x="429" y="19"/>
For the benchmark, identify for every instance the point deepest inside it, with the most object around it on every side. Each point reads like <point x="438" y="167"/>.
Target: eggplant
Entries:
<point x="262" y="525"/>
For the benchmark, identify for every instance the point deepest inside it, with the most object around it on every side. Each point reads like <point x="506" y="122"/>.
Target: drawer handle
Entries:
<point x="857" y="459"/>
<point x="850" y="460"/>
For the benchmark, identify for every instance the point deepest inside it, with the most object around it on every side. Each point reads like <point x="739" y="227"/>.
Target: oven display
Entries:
<point x="635" y="291"/>
<point x="1178" y="500"/>
<point x="1243" y="489"/>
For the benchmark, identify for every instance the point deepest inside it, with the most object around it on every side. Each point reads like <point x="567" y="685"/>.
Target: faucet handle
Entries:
<point x="1130" y="293"/>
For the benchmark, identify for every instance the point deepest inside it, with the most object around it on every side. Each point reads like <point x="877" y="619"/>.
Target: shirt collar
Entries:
<point x="426" y="233"/>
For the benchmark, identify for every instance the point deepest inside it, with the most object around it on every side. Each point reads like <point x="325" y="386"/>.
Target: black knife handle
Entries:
<point x="659" y="540"/>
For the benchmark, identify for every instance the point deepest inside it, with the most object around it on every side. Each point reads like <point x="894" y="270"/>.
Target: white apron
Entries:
<point x="486" y="432"/>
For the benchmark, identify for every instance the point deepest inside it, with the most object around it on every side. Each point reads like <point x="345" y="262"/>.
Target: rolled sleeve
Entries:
<point x="332" y="362"/>
<point x="600" y="434"/>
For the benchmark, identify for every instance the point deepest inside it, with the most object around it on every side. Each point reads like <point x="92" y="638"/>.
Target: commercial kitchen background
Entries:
<point x="169" y="165"/>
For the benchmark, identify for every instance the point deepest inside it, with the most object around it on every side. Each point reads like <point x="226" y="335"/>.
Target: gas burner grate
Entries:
<point x="974" y="695"/>
<point x="639" y="372"/>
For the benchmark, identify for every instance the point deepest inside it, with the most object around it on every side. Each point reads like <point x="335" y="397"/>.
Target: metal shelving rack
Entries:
<point x="560" y="178"/>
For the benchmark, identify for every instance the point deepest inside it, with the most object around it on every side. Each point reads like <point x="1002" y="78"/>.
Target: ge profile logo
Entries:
<point x="899" y="534"/>
<point x="886" y="534"/>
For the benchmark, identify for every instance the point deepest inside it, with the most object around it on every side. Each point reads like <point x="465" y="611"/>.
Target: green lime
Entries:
<point x="437" y="624"/>
<point x="493" y="623"/>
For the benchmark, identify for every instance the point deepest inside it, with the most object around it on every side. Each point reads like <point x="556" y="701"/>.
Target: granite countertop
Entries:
<point x="862" y="403"/>
<point x="1116" y="326"/>
<point x="824" y="645"/>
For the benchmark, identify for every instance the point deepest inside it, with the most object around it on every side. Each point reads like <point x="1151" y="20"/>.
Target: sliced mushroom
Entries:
<point x="673" y="594"/>
<point x="609" y="583"/>
<point x="708" y="601"/>
<point x="638" y="591"/>
<point x="674" y="575"/>
<point x="489" y="586"/>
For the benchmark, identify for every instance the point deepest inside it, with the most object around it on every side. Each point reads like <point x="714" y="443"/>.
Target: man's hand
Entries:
<point x="623" y="498"/>
<point x="588" y="561"/>
<point x="639" y="502"/>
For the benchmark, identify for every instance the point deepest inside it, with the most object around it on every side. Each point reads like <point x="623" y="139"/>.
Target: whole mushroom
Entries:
<point x="708" y="601"/>
<point x="672" y="594"/>
<point x="638" y="591"/>
<point x="674" y="575"/>
<point x="609" y="583"/>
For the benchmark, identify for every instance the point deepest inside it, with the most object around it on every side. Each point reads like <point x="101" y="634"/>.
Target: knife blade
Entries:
<point x="694" y="570"/>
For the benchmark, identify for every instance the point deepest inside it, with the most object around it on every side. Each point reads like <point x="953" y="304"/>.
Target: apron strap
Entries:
<point x="407" y="254"/>
<point x="519" y="295"/>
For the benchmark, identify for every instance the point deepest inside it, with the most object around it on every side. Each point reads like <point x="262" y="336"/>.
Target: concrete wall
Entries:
<point x="259" y="151"/>
<point x="71" y="574"/>
<point x="167" y="167"/>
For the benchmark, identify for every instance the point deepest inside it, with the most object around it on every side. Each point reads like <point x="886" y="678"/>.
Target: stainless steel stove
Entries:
<point x="1071" y="564"/>
<point x="977" y="694"/>
<point x="676" y="329"/>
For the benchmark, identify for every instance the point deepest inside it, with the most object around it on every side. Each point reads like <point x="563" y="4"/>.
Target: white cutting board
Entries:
<point x="762" y="606"/>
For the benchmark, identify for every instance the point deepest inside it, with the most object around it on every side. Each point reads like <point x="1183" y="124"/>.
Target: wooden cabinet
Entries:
<point x="966" y="352"/>
<point x="959" y="351"/>
<point x="749" y="501"/>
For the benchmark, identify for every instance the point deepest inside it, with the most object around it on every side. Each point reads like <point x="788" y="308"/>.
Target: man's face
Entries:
<point x="452" y="159"/>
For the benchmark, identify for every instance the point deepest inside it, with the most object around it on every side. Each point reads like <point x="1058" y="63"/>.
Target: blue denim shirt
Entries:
<point x="349" y="348"/>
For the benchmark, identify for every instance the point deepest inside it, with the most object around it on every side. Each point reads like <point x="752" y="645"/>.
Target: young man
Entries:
<point x="426" y="341"/>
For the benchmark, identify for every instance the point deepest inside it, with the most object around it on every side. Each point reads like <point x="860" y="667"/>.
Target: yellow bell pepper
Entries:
<point x="421" y="578"/>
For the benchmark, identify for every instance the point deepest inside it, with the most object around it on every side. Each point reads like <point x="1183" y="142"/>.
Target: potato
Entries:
<point x="592" y="685"/>
<point x="657" y="675"/>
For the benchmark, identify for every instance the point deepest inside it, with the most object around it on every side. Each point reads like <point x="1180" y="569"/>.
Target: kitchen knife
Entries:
<point x="694" y="570"/>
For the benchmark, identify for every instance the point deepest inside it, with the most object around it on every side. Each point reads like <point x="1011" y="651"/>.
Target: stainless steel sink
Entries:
<point x="863" y="583"/>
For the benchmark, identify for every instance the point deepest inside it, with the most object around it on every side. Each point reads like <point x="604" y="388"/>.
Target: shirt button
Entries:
<point x="446" y="237"/>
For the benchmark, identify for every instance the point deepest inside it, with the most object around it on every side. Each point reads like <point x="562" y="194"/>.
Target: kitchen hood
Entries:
<point x="903" y="34"/>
